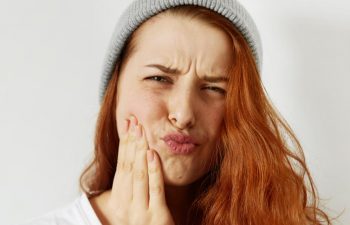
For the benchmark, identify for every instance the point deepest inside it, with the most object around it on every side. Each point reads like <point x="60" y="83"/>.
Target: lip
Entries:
<point x="180" y="143"/>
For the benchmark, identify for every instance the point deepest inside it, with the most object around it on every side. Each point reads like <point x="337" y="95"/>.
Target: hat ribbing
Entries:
<point x="141" y="10"/>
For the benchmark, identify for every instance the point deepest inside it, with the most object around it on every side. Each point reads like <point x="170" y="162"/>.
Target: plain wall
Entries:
<point x="51" y="55"/>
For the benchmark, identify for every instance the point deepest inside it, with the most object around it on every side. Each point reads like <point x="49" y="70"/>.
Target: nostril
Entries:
<point x="182" y="125"/>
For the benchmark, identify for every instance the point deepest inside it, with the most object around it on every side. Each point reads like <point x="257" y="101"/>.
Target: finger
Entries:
<point x="123" y="139"/>
<point x="131" y="141"/>
<point x="156" y="183"/>
<point x="122" y="185"/>
<point x="140" y="183"/>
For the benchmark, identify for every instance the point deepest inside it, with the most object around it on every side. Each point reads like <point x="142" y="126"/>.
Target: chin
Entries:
<point x="178" y="180"/>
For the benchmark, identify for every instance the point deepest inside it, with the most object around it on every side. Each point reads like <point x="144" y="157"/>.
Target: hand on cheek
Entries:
<point x="137" y="195"/>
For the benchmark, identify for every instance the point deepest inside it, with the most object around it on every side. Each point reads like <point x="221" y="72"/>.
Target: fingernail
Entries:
<point x="132" y="123"/>
<point x="138" y="130"/>
<point x="150" y="155"/>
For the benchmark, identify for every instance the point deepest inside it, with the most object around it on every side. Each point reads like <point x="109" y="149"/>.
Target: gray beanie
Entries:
<point x="141" y="10"/>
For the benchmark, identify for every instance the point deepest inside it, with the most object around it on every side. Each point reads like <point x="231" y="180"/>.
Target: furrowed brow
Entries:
<point x="174" y="71"/>
<point x="165" y="69"/>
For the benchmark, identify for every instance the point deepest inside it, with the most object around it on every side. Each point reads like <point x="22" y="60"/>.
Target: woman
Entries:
<point x="186" y="133"/>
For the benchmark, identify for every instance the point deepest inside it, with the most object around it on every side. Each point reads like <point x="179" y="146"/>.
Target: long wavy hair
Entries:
<point x="260" y="176"/>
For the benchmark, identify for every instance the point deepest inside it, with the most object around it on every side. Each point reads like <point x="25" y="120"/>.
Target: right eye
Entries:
<point x="161" y="79"/>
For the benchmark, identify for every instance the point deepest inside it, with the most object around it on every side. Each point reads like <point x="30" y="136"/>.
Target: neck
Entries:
<point x="179" y="200"/>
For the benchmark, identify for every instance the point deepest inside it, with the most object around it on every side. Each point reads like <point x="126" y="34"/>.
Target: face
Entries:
<point x="187" y="102"/>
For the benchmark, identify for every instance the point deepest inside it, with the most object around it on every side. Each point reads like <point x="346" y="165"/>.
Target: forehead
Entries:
<point x="174" y="40"/>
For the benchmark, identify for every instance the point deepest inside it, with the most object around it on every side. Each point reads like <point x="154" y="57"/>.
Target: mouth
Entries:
<point x="180" y="149"/>
<point x="180" y="144"/>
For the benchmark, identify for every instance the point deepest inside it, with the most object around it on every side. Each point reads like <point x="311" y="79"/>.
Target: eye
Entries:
<point x="165" y="79"/>
<point x="216" y="89"/>
<point x="161" y="79"/>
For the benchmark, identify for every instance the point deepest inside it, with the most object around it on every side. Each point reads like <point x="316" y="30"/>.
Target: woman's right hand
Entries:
<point x="137" y="195"/>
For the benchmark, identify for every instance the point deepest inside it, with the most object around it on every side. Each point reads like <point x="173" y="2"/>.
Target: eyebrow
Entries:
<point x="174" y="71"/>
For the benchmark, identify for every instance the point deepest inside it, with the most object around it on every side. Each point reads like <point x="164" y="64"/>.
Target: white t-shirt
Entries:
<point x="79" y="212"/>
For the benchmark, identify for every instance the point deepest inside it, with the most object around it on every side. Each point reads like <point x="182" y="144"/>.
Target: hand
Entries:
<point x="137" y="195"/>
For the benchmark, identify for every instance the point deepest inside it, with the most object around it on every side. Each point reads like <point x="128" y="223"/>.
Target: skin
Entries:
<point x="183" y="103"/>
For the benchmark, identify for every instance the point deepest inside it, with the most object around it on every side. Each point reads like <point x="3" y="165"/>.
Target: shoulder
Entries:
<point x="79" y="212"/>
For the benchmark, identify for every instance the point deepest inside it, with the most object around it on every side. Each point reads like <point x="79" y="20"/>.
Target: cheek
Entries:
<point x="213" y="126"/>
<point x="213" y="120"/>
<point x="150" y="108"/>
<point x="213" y="129"/>
<point x="147" y="106"/>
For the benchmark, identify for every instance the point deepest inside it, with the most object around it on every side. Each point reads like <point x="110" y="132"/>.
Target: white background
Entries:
<point x="51" y="55"/>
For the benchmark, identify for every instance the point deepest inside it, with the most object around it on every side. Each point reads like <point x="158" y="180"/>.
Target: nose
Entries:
<point x="182" y="109"/>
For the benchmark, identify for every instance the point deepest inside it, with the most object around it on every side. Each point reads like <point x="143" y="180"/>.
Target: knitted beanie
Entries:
<point x="141" y="10"/>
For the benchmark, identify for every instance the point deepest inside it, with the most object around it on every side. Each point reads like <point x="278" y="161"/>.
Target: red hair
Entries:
<point x="260" y="174"/>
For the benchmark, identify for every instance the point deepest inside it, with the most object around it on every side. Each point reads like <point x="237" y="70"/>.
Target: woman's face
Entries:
<point x="185" y="103"/>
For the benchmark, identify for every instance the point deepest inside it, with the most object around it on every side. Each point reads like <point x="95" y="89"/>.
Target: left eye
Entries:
<point x="159" y="78"/>
<point x="216" y="89"/>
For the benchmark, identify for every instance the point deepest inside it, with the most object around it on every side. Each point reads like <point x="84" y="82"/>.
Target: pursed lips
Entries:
<point x="180" y="143"/>
<point x="180" y="138"/>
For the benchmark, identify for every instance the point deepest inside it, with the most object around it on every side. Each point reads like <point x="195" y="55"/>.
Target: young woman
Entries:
<point x="186" y="133"/>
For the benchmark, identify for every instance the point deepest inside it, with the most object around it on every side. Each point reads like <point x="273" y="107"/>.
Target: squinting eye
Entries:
<point x="158" y="78"/>
<point x="164" y="79"/>
<point x="216" y="89"/>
